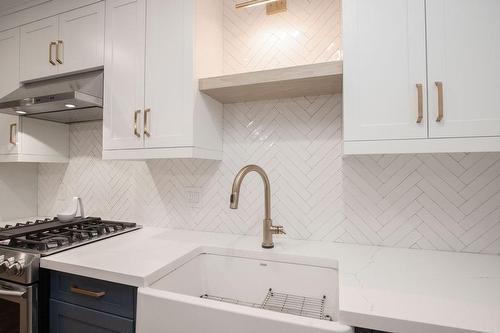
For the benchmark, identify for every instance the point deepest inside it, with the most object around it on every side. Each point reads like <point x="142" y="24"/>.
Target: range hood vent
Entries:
<point x="68" y="99"/>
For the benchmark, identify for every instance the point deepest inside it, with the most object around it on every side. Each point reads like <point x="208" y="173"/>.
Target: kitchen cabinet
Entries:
<point x="32" y="140"/>
<point x="80" y="304"/>
<point x="9" y="66"/>
<point x="155" y="52"/>
<point x="82" y="33"/>
<point x="8" y="124"/>
<point x="392" y="48"/>
<point x="384" y="61"/>
<point x="463" y="55"/>
<point x="124" y="74"/>
<point x="38" y="45"/>
<point x="69" y="42"/>
<point x="66" y="317"/>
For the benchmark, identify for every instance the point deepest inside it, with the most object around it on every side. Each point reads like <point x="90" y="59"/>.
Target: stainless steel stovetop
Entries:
<point x="22" y="245"/>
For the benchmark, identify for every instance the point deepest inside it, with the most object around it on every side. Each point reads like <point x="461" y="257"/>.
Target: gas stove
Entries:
<point x="22" y="245"/>
<point x="24" y="286"/>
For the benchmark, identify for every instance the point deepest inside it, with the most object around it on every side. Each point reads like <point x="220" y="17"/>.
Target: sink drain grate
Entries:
<point x="231" y="300"/>
<point x="285" y="303"/>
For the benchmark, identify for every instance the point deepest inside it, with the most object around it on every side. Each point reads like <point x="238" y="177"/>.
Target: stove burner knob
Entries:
<point x="16" y="269"/>
<point x="5" y="264"/>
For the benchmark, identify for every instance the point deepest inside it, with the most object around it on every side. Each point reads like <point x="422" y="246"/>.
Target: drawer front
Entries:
<point x="65" y="318"/>
<point x="95" y="294"/>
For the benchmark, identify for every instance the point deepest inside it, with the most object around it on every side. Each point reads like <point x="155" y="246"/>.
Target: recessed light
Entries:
<point x="70" y="106"/>
<point x="20" y="112"/>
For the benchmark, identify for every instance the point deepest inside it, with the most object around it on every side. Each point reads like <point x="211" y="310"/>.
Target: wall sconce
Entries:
<point x="272" y="6"/>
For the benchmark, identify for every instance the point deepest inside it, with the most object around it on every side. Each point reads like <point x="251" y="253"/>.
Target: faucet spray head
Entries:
<point x="234" y="200"/>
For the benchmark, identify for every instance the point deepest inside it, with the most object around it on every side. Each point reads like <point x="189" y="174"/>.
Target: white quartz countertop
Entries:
<point x="395" y="290"/>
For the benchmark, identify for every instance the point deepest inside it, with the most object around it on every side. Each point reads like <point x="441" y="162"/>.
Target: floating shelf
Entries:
<point x="306" y="80"/>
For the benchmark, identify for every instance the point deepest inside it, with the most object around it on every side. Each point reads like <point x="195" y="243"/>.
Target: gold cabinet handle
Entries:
<point x="420" y="93"/>
<point x="440" y="115"/>
<point x="136" y="119"/>
<point x="59" y="45"/>
<point x="12" y="137"/>
<point x="51" y="60"/>
<point x="93" y="294"/>
<point x="146" y="122"/>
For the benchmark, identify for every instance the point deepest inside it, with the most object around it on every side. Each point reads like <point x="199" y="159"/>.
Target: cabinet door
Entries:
<point x="384" y="60"/>
<point x="169" y="117"/>
<point x="9" y="125"/>
<point x="81" y="38"/>
<point x="66" y="317"/>
<point x="9" y="65"/>
<point x="36" y="58"/>
<point x="463" y="53"/>
<point x="124" y="74"/>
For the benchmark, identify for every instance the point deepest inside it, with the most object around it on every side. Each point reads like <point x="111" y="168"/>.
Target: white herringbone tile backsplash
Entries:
<point x="439" y="201"/>
<point x="308" y="32"/>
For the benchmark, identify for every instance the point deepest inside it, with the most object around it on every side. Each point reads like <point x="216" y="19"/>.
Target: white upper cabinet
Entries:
<point x="9" y="65"/>
<point x="384" y="61"/>
<point x="167" y="75"/>
<point x="31" y="140"/>
<point x="81" y="33"/>
<point x="38" y="49"/>
<point x="8" y="130"/>
<point x="70" y="42"/>
<point x="155" y="54"/>
<point x="464" y="55"/>
<point x="393" y="47"/>
<point x="124" y="74"/>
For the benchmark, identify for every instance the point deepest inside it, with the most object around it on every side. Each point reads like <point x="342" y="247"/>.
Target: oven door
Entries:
<point x="18" y="308"/>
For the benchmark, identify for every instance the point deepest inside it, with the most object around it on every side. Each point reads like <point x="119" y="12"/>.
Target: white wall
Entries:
<point x="18" y="191"/>
<point x="438" y="201"/>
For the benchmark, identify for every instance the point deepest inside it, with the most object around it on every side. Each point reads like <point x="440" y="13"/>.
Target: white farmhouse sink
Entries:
<point x="220" y="290"/>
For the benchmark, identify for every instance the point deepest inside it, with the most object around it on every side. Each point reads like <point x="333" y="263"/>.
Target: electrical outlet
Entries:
<point x="193" y="196"/>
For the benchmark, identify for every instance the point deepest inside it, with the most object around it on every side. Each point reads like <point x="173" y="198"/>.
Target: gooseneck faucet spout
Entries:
<point x="269" y="229"/>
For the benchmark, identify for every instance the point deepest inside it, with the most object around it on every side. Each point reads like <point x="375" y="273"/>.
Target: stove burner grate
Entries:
<point x="46" y="235"/>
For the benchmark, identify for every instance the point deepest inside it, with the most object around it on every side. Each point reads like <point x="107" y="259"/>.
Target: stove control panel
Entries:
<point x="18" y="266"/>
<point x="4" y="264"/>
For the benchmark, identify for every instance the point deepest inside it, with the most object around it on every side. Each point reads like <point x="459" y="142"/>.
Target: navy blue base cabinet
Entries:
<point x="69" y="318"/>
<point x="84" y="305"/>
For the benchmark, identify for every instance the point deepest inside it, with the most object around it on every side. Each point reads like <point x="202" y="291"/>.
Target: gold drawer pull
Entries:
<point x="146" y="127"/>
<point x="51" y="61"/>
<point x="89" y="293"/>
<point x="440" y="116"/>
<point x="420" y="92"/>
<point x="12" y="137"/>
<point x="136" y="119"/>
<point x="58" y="47"/>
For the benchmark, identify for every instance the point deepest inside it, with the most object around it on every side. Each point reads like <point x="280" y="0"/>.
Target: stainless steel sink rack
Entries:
<point x="285" y="303"/>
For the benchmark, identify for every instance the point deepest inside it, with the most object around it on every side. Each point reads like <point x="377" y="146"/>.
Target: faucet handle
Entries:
<point x="278" y="230"/>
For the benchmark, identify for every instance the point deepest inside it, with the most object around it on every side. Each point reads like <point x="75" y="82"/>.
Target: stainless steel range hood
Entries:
<point x="68" y="99"/>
